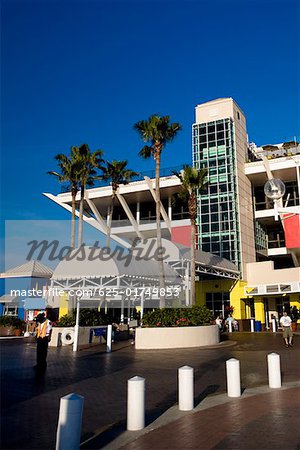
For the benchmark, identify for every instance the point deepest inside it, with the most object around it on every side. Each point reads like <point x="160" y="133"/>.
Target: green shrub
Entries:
<point x="12" y="321"/>
<point x="87" y="317"/>
<point x="177" y="317"/>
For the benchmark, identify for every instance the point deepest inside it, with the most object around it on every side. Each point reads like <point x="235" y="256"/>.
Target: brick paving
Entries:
<point x="268" y="421"/>
<point x="29" y="405"/>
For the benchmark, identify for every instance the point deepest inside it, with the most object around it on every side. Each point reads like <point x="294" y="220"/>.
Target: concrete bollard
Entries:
<point x="108" y="338"/>
<point x="233" y="377"/>
<point x="185" y="388"/>
<point x="69" y="422"/>
<point x="135" y="403"/>
<point x="252" y="325"/>
<point x="274" y="370"/>
<point x="274" y="325"/>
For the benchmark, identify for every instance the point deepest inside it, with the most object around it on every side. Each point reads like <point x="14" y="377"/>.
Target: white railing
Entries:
<point x="274" y="288"/>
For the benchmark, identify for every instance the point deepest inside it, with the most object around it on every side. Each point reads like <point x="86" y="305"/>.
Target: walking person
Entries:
<point x="286" y="323"/>
<point x="43" y="334"/>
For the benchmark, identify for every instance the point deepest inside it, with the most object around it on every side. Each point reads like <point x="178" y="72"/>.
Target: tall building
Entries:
<point x="256" y="239"/>
<point x="225" y="214"/>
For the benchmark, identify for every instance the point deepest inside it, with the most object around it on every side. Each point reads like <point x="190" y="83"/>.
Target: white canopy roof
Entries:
<point x="119" y="263"/>
<point x="31" y="269"/>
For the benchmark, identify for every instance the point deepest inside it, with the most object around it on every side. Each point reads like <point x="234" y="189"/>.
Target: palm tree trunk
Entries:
<point x="158" y="229"/>
<point x="73" y="225"/>
<point x="80" y="225"/>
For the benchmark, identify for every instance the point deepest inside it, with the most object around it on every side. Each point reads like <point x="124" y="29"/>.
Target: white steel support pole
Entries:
<point x="274" y="370"/>
<point x="122" y="310"/>
<point x="76" y="328"/>
<point x="108" y="338"/>
<point x="128" y="311"/>
<point x="298" y="179"/>
<point x="135" y="403"/>
<point x="230" y="326"/>
<point x="69" y="422"/>
<point x="142" y="303"/>
<point x="187" y="284"/>
<point x="252" y="325"/>
<point x="185" y="388"/>
<point x="274" y="325"/>
<point x="233" y="377"/>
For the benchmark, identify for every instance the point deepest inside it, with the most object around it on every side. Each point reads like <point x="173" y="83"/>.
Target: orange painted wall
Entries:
<point x="181" y="235"/>
<point x="291" y="225"/>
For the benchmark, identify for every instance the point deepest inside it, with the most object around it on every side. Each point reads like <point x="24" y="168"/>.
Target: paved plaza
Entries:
<point x="261" y="418"/>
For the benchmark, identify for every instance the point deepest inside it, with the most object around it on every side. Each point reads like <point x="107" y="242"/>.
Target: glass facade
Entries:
<point x="218" y="303"/>
<point x="214" y="148"/>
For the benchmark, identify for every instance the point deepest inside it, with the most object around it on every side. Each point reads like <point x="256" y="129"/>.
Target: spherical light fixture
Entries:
<point x="274" y="189"/>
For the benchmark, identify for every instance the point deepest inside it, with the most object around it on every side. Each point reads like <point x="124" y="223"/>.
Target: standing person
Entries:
<point x="228" y="321"/>
<point x="43" y="334"/>
<point x="286" y="323"/>
<point x="218" y="322"/>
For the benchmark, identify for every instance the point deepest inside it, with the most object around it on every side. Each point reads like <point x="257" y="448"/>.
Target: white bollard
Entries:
<point x="230" y="326"/>
<point x="135" y="403"/>
<point x="69" y="422"/>
<point x="252" y="325"/>
<point x="233" y="377"/>
<point x="274" y="370"/>
<point x="274" y="325"/>
<point x="108" y="338"/>
<point x="185" y="388"/>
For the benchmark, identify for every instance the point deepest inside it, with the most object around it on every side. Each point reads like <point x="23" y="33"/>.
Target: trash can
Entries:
<point x="257" y="325"/>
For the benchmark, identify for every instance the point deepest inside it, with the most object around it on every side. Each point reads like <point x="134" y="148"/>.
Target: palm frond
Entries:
<point x="146" y="152"/>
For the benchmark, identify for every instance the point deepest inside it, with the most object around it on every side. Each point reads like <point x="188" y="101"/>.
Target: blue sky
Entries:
<point x="86" y="71"/>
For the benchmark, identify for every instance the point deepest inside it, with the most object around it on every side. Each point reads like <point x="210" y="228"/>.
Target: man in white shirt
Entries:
<point x="286" y="324"/>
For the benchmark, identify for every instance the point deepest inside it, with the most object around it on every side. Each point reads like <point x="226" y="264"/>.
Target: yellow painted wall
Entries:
<point x="259" y="308"/>
<point x="64" y="305"/>
<point x="295" y="300"/>
<point x="202" y="287"/>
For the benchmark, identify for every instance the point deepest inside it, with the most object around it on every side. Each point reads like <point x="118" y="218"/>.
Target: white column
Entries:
<point x="274" y="325"/>
<point x="252" y="325"/>
<point x="135" y="403"/>
<point x="274" y="370"/>
<point x="230" y="326"/>
<point x="138" y="213"/>
<point x="69" y="422"/>
<point x="108" y="338"/>
<point x="170" y="208"/>
<point x="76" y="328"/>
<point x="233" y="377"/>
<point x="185" y="388"/>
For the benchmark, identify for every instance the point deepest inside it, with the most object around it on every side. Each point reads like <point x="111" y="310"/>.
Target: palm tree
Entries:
<point x="117" y="173"/>
<point x="158" y="131"/>
<point x="192" y="180"/>
<point x="69" y="172"/>
<point x="89" y="163"/>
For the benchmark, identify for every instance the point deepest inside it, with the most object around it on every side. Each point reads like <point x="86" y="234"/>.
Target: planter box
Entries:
<point x="10" y="331"/>
<point x="176" y="337"/>
<point x="83" y="339"/>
